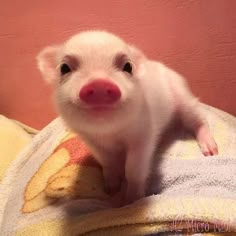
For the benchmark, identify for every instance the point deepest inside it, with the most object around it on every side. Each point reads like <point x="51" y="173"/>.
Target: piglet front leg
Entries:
<point x="112" y="165"/>
<point x="137" y="168"/>
<point x="113" y="172"/>
<point x="191" y="114"/>
<point x="193" y="118"/>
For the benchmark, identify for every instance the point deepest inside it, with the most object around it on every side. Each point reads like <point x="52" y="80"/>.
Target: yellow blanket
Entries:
<point x="13" y="137"/>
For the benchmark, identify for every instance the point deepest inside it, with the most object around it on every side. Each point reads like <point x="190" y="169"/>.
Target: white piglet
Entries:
<point x="119" y="102"/>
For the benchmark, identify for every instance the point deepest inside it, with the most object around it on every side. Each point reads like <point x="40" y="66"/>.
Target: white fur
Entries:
<point x="123" y="139"/>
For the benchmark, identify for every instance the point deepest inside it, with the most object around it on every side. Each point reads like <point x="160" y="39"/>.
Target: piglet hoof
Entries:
<point x="209" y="148"/>
<point x="206" y="142"/>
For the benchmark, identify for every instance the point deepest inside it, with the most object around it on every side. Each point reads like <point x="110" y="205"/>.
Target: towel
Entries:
<point x="11" y="133"/>
<point x="55" y="187"/>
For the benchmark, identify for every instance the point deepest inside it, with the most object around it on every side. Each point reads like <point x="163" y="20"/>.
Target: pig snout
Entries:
<point x="100" y="92"/>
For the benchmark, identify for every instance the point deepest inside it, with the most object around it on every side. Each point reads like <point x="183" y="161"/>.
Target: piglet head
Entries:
<point x="94" y="75"/>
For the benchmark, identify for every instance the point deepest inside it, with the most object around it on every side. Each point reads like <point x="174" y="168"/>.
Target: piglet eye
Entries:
<point x="65" y="69"/>
<point x="127" y="67"/>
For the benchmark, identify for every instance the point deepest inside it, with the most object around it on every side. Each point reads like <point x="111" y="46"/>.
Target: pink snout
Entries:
<point x="100" y="92"/>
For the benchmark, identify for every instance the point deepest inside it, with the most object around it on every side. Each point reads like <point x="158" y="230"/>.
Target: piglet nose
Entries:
<point x="100" y="92"/>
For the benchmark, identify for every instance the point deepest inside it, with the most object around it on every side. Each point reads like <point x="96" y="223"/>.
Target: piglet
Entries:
<point x="119" y="102"/>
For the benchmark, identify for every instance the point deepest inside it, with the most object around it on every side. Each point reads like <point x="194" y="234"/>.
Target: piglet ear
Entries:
<point x="48" y="60"/>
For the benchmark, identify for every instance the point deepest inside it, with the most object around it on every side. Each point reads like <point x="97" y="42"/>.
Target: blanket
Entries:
<point x="55" y="187"/>
<point x="13" y="137"/>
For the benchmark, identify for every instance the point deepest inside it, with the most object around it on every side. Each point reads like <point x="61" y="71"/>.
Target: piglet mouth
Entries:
<point x="95" y="108"/>
<point x="98" y="108"/>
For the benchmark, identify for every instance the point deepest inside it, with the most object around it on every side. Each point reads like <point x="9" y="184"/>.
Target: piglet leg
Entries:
<point x="191" y="113"/>
<point x="193" y="118"/>
<point x="137" y="168"/>
<point x="112" y="166"/>
<point x="112" y="172"/>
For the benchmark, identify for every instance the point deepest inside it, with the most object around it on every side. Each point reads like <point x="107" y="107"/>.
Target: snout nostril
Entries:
<point x="91" y="92"/>
<point x="100" y="92"/>
<point x="109" y="92"/>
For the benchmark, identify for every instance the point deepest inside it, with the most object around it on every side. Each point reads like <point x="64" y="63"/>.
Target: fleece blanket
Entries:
<point x="55" y="187"/>
<point x="14" y="136"/>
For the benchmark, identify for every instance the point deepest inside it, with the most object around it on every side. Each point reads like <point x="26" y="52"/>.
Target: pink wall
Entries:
<point x="195" y="37"/>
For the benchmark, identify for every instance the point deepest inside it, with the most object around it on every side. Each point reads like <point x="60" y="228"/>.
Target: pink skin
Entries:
<point x="100" y="93"/>
<point x="205" y="141"/>
<point x="118" y="112"/>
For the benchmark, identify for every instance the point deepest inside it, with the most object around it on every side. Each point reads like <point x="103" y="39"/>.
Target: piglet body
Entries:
<point x="119" y="102"/>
